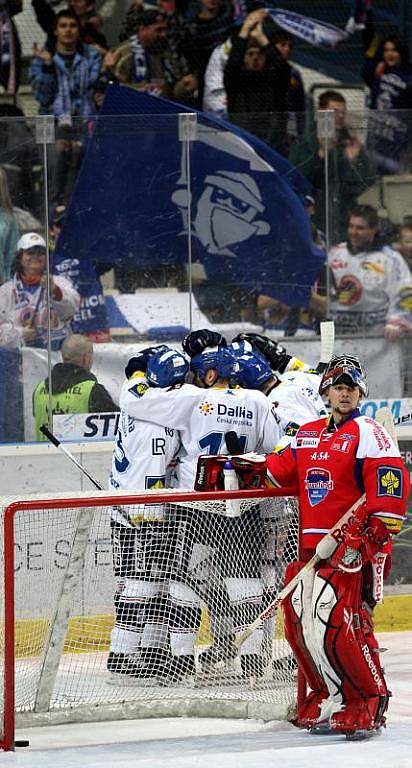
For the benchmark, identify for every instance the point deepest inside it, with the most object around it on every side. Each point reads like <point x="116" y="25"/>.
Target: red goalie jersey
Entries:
<point x="330" y="467"/>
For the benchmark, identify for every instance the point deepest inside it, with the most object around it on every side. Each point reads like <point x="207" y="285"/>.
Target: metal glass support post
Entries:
<point x="326" y="131"/>
<point x="188" y="133"/>
<point x="45" y="134"/>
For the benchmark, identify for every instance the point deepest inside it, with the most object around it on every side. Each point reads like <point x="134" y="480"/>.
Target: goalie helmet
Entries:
<point x="253" y="371"/>
<point x="165" y="369"/>
<point x="220" y="359"/>
<point x="344" y="369"/>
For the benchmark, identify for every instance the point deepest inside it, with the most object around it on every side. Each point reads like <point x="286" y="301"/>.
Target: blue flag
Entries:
<point x="142" y="193"/>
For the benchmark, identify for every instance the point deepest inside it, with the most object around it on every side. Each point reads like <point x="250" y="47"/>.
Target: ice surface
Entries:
<point x="215" y="743"/>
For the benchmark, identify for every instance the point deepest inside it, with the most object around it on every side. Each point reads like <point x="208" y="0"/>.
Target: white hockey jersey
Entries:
<point x="370" y="289"/>
<point x="142" y="454"/>
<point x="295" y="401"/>
<point x="203" y="416"/>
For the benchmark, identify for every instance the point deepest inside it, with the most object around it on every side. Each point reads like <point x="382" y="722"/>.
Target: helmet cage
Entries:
<point x="341" y="372"/>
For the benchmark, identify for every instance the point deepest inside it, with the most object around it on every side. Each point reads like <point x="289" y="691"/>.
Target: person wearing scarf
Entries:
<point x="63" y="83"/>
<point x="10" y="47"/>
<point x="23" y="300"/>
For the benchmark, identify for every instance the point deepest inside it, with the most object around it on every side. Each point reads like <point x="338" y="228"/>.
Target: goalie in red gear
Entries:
<point x="330" y="463"/>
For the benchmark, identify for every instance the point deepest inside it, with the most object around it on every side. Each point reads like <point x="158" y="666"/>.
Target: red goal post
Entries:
<point x="57" y="612"/>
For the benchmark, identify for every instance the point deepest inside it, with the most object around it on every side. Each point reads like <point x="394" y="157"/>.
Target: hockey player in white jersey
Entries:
<point x="203" y="414"/>
<point x="143" y="542"/>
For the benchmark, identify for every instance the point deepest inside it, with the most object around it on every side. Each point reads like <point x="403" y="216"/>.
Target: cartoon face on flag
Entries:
<point x="143" y="194"/>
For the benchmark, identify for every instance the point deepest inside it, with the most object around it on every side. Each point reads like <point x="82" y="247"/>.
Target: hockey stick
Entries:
<point x="327" y="343"/>
<point x="384" y="417"/>
<point x="324" y="549"/>
<point x="53" y="439"/>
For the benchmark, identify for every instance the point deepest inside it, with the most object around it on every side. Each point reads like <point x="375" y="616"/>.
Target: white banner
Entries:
<point x="383" y="364"/>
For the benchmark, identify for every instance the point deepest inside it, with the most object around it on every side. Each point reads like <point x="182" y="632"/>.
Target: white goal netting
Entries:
<point x="133" y="610"/>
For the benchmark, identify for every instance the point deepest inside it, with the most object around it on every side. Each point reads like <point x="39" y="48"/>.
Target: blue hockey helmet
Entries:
<point x="241" y="347"/>
<point x="167" y="368"/>
<point x="254" y="371"/>
<point x="220" y="359"/>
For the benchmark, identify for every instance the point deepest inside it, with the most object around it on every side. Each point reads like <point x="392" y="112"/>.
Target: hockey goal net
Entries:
<point x="127" y="606"/>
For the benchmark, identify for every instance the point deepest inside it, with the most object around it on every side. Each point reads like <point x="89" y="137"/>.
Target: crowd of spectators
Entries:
<point x="203" y="55"/>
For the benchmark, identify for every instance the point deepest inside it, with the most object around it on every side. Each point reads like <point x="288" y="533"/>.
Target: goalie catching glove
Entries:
<point x="249" y="467"/>
<point x="359" y="546"/>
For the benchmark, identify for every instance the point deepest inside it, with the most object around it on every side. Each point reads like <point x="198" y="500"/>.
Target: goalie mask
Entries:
<point x="344" y="369"/>
<point x="165" y="369"/>
<point x="220" y="359"/>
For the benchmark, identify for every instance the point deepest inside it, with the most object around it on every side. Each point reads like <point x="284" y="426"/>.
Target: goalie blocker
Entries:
<point x="249" y="467"/>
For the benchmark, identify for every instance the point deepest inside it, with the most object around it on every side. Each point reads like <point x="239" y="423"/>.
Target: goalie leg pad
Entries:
<point x="358" y="694"/>
<point x="297" y="612"/>
<point x="185" y="618"/>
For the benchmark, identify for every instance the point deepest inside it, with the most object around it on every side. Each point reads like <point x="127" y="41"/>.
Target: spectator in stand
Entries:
<point x="23" y="300"/>
<point x="63" y="84"/>
<point x="89" y="22"/>
<point x="143" y="60"/>
<point x="388" y="73"/>
<point x="210" y="27"/>
<point x="295" y="97"/>
<point x="74" y="388"/>
<point x="350" y="171"/>
<point x="256" y="80"/>
<point x="91" y="317"/>
<point x="10" y="47"/>
<point x="373" y="282"/>
<point x="9" y="230"/>
<point x="175" y="37"/>
<point x="404" y="242"/>
<point x="20" y="158"/>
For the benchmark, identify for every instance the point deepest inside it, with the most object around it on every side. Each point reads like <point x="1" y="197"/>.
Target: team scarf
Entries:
<point x="313" y="31"/>
<point x="8" y="58"/>
<point x="141" y="68"/>
<point x="62" y="106"/>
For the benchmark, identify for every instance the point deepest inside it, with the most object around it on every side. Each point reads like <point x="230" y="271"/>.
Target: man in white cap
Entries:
<point x="23" y="299"/>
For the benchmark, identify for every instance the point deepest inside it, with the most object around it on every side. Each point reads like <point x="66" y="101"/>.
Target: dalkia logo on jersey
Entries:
<point x="238" y="412"/>
<point x="206" y="408"/>
<point x="318" y="483"/>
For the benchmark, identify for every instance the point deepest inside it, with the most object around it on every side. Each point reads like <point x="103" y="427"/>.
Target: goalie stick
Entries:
<point x="327" y="343"/>
<point x="326" y="546"/>
<point x="324" y="549"/>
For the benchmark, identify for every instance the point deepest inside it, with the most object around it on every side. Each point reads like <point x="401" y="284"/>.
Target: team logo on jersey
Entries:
<point x="206" y="408"/>
<point x="318" y="483"/>
<point x="349" y="290"/>
<point x="138" y="390"/>
<point x="390" y="482"/>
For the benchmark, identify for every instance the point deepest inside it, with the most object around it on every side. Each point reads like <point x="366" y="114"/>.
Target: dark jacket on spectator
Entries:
<point x="203" y="35"/>
<point x="255" y="93"/>
<point x="347" y="179"/>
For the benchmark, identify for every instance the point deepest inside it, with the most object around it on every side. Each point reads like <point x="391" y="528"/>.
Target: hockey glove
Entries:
<point x="274" y="353"/>
<point x="197" y="341"/>
<point x="360" y="546"/>
<point x="139" y="361"/>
